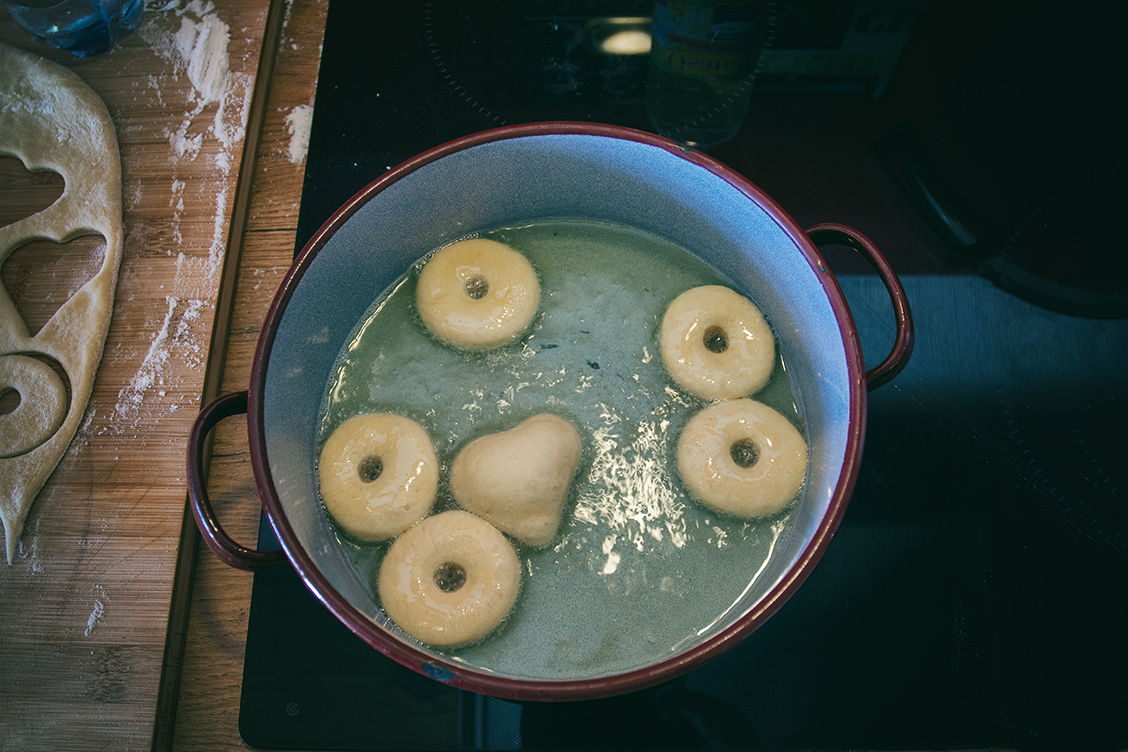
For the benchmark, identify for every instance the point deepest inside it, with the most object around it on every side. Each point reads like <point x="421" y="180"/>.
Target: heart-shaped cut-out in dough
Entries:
<point x="518" y="480"/>
<point x="23" y="192"/>
<point x="53" y="122"/>
<point x="43" y="275"/>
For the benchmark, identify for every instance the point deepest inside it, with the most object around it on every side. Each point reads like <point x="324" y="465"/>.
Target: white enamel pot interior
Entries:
<point x="516" y="175"/>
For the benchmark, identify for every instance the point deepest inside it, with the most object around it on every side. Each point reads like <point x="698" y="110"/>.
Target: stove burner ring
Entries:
<point x="433" y="45"/>
<point x="1078" y="472"/>
<point x="1060" y="255"/>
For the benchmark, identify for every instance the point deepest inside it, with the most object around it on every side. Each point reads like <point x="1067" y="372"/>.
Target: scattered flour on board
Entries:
<point x="203" y="48"/>
<point x="298" y="121"/>
<point x="199" y="51"/>
<point x="99" y="611"/>
<point x="173" y="338"/>
<point x="30" y="552"/>
<point x="134" y="194"/>
<point x="286" y="14"/>
<point x="176" y="202"/>
<point x="194" y="41"/>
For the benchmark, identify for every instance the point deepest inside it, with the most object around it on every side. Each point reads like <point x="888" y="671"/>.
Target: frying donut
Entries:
<point x="450" y="580"/>
<point x="378" y="474"/>
<point x="743" y="458"/>
<point x="477" y="294"/>
<point x="716" y="344"/>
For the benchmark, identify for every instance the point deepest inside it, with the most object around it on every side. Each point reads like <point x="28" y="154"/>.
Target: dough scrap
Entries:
<point x="518" y="480"/>
<point x="51" y="120"/>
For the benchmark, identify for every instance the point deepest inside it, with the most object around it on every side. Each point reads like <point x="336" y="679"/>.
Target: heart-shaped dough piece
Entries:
<point x="518" y="480"/>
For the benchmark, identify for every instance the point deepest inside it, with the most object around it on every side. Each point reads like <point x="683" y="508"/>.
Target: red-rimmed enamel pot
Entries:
<point x="503" y="178"/>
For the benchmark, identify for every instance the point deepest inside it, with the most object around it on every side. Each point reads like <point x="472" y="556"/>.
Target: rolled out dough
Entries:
<point x="51" y="120"/>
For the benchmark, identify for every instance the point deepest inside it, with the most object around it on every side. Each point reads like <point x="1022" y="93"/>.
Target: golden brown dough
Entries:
<point x="450" y="580"/>
<point x="477" y="294"/>
<point x="716" y="344"/>
<point x="378" y="474"/>
<point x="743" y="458"/>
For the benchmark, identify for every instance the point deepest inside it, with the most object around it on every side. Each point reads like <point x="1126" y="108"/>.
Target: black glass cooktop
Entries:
<point x="976" y="593"/>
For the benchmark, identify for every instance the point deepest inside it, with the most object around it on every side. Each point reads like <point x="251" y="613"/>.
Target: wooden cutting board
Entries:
<point x="84" y="609"/>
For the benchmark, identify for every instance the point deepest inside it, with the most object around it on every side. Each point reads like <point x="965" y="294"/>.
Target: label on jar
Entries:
<point x="705" y="39"/>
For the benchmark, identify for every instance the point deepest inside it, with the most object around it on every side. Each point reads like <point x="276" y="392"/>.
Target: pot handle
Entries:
<point x="221" y="544"/>
<point x="829" y="233"/>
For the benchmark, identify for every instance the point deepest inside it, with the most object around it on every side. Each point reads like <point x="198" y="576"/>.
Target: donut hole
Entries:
<point x="744" y="452"/>
<point x="370" y="468"/>
<point x="715" y="339"/>
<point x="450" y="577"/>
<point x="9" y="400"/>
<point x="477" y="287"/>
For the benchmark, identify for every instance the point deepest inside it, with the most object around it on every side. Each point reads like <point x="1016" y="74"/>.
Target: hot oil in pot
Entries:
<point x="638" y="570"/>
